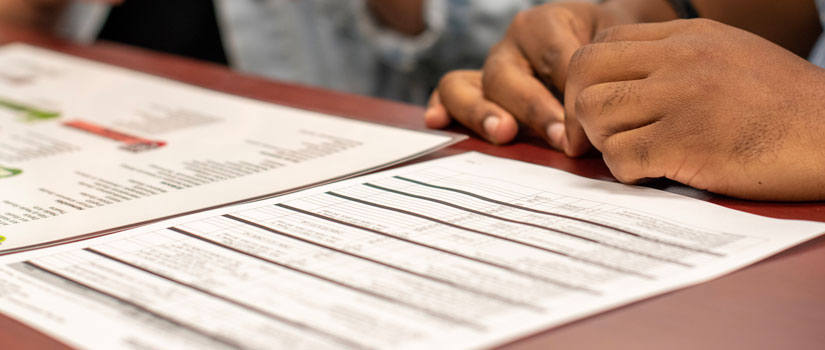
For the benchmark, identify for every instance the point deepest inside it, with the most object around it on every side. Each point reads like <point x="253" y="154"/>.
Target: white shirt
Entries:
<point x="336" y="44"/>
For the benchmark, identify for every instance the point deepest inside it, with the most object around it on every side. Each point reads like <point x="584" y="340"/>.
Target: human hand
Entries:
<point x="514" y="85"/>
<point x="704" y="104"/>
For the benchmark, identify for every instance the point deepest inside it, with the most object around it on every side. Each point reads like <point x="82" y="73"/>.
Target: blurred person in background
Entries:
<point x="394" y="49"/>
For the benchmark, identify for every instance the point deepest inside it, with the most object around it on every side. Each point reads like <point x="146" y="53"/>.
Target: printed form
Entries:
<point x="464" y="252"/>
<point x="86" y="147"/>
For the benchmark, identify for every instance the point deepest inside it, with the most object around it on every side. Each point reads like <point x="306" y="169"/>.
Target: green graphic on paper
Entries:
<point x="2" y="239"/>
<point x="29" y="113"/>
<point x="9" y="172"/>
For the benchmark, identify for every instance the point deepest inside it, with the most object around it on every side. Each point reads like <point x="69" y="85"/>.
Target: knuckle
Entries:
<point x="629" y="160"/>
<point x="619" y="167"/>
<point x="695" y="50"/>
<point x="609" y="150"/>
<point x="589" y="115"/>
<point x="620" y="172"/>
<point x="609" y="34"/>
<point x="620" y="94"/>
<point x="625" y="159"/>
<point x="584" y="101"/>
<point x="550" y="58"/>
<point x="581" y="58"/>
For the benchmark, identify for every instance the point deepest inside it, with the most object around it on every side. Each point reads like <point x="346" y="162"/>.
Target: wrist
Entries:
<point x="405" y="17"/>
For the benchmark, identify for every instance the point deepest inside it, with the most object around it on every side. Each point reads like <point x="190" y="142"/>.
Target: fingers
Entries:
<point x="436" y="116"/>
<point x="639" y="32"/>
<point x="459" y="92"/>
<point x="509" y="82"/>
<point x="614" y="61"/>
<point x="548" y="40"/>
<point x="623" y="120"/>
<point x="620" y="53"/>
<point x="603" y="63"/>
<point x="637" y="154"/>
<point x="614" y="98"/>
<point x="604" y="110"/>
<point x="551" y="65"/>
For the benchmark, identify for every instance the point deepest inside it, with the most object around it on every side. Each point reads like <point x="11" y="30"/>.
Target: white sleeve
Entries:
<point x="459" y="33"/>
<point x="397" y="50"/>
<point x="82" y="21"/>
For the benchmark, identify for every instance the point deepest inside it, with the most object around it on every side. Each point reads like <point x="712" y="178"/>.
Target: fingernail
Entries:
<point x="490" y="125"/>
<point x="555" y="132"/>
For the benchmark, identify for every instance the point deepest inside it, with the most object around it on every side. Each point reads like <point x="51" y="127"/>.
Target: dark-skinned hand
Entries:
<point x="512" y="89"/>
<point x="704" y="104"/>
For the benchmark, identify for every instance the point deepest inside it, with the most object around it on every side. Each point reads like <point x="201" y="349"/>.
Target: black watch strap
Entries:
<point x="684" y="8"/>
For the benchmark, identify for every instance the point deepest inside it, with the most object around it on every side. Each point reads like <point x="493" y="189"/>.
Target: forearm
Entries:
<point x="793" y="24"/>
<point x="643" y="10"/>
<point x="403" y="16"/>
<point x="38" y="14"/>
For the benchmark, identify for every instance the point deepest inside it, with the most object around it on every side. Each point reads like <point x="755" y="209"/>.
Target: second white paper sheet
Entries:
<point x="464" y="252"/>
<point x="86" y="147"/>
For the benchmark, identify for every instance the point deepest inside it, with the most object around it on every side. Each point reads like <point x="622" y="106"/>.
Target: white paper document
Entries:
<point x="464" y="252"/>
<point x="86" y="147"/>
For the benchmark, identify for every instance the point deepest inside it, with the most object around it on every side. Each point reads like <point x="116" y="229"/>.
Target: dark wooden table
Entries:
<point x="778" y="303"/>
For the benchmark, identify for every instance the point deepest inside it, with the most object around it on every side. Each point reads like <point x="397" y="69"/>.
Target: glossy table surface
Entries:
<point x="778" y="303"/>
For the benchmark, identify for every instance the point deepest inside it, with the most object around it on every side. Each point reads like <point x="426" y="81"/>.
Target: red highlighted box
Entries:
<point x="131" y="143"/>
